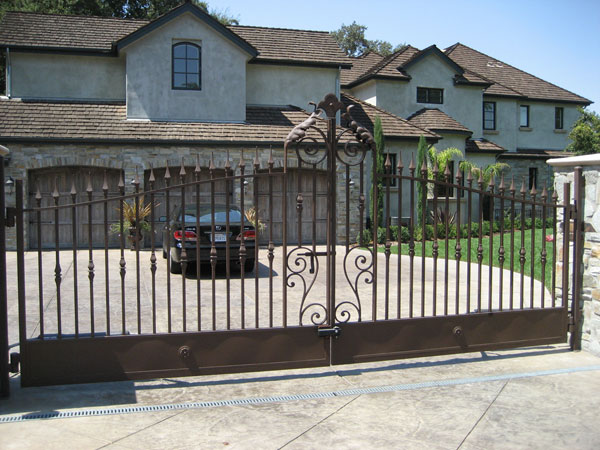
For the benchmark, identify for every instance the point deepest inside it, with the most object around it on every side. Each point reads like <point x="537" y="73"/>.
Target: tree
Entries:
<point x="351" y="39"/>
<point x="379" y="161"/>
<point x="585" y="134"/>
<point x="421" y="156"/>
<point x="492" y="170"/>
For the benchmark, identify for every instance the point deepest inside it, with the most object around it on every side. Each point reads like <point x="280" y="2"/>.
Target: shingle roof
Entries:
<point x="34" y="30"/>
<point x="25" y="29"/>
<point x="280" y="44"/>
<point x="359" y="66"/>
<point x="393" y="126"/>
<point x="435" y="120"/>
<point x="508" y="80"/>
<point x="387" y="67"/>
<point x="107" y="122"/>
<point x="482" y="146"/>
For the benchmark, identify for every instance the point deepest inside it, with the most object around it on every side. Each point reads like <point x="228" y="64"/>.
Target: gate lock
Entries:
<point x="329" y="331"/>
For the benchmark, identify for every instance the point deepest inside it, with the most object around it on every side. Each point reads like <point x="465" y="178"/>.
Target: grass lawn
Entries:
<point x="485" y="242"/>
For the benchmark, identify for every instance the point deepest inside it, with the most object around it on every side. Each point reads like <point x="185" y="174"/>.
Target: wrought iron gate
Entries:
<point x="99" y="314"/>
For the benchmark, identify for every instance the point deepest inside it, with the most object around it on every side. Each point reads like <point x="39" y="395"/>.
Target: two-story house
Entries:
<point x="487" y="109"/>
<point x="89" y="96"/>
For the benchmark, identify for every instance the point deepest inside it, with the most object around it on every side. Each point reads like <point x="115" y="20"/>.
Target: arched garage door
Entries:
<point x="63" y="178"/>
<point x="313" y="185"/>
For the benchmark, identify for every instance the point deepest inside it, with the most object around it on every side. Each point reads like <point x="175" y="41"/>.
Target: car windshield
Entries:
<point x="204" y="215"/>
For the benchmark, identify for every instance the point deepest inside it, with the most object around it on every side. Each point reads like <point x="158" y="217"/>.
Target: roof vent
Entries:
<point x="495" y="64"/>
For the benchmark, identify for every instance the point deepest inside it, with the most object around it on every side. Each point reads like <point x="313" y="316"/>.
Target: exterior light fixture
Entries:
<point x="9" y="184"/>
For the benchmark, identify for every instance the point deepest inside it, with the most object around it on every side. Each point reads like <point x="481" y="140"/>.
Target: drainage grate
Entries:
<point x="286" y="398"/>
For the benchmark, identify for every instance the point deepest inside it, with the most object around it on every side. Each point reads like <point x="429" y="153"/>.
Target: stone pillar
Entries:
<point x="564" y="167"/>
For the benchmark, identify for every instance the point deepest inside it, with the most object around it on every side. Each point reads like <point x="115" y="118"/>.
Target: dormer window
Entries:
<point x="186" y="66"/>
<point x="430" y="95"/>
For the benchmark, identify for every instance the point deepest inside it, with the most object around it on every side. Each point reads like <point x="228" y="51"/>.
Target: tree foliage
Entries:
<point x="379" y="161"/>
<point x="421" y="156"/>
<point x="351" y="39"/>
<point x="585" y="134"/>
<point x="486" y="173"/>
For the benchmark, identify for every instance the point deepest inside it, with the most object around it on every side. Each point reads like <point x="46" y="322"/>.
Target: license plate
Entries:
<point x="220" y="237"/>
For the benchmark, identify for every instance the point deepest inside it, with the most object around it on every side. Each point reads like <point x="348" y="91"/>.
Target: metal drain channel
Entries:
<point x="286" y="398"/>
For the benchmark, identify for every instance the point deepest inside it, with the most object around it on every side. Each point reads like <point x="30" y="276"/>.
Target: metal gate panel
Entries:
<point x="115" y="358"/>
<point x="409" y="338"/>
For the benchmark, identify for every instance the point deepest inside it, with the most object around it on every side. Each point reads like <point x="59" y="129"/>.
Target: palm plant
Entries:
<point x="486" y="174"/>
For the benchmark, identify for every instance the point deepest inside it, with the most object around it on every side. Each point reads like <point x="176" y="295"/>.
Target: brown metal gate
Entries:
<point x="111" y="314"/>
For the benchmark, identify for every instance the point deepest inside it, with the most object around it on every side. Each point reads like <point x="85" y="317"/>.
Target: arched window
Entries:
<point x="186" y="66"/>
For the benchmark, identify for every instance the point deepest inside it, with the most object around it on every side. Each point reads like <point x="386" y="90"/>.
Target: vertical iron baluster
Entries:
<point x="565" y="250"/>
<point x="299" y="202"/>
<point x="169" y="236"/>
<point x="447" y="175"/>
<point x="256" y="237"/>
<point x="491" y="243"/>
<point x="522" y="251"/>
<point x="38" y="203"/>
<point x="411" y="244"/>
<point x="271" y="248"/>
<point x="137" y="243"/>
<point x="198" y="264"/>
<point x="388" y="241"/>
<point x="57" y="269"/>
<point x="361" y="212"/>
<point x="502" y="191"/>
<point x="122" y="269"/>
<point x="184" y="257"/>
<point x="544" y="254"/>
<point x="348" y="180"/>
<point x="533" y="194"/>
<point x="151" y="180"/>
<point x="91" y="265"/>
<point x="228" y="241"/>
<point x="74" y="243"/>
<point x="106" y="263"/>
<point x="284" y="211"/>
<point x="554" y="242"/>
<point x="469" y="237"/>
<point x="423" y="231"/>
<point x="314" y="208"/>
<point x="213" y="249"/>
<point x="21" y="299"/>
<point x="480" y="241"/>
<point x="512" y="190"/>
<point x="399" y="267"/>
<point x="242" y="250"/>
<point x="458" y="248"/>
<point x="435" y="245"/>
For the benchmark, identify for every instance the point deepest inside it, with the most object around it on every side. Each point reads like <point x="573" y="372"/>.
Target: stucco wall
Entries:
<point x="540" y="134"/>
<point x="53" y="76"/>
<point x="223" y="92"/>
<point x="366" y="92"/>
<point x="590" y="301"/>
<point x="462" y="103"/>
<point x="288" y="85"/>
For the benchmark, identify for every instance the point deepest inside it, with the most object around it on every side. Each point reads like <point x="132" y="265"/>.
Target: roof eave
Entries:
<point x="180" y="10"/>
<point x="544" y="100"/>
<point x="61" y="50"/>
<point x="375" y="77"/>
<point x="295" y="62"/>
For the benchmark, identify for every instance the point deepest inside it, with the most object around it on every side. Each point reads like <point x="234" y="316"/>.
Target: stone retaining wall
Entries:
<point x="564" y="171"/>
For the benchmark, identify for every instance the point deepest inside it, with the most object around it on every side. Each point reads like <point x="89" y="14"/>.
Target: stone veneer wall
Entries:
<point x="132" y="157"/>
<point x="564" y="172"/>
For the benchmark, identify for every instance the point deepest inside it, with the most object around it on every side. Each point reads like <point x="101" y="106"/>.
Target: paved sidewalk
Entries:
<point x="545" y="397"/>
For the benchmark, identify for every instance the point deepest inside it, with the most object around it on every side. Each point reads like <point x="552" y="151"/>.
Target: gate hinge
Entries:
<point x="11" y="214"/>
<point x="324" y="331"/>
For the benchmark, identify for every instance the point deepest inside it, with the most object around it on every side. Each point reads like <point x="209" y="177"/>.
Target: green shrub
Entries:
<point x="367" y="237"/>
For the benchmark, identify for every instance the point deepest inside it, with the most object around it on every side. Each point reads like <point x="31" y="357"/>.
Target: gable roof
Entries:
<point x="62" y="33"/>
<point x="93" y="122"/>
<point x="508" y="80"/>
<point x="482" y="146"/>
<point x="360" y="65"/>
<point x="200" y="14"/>
<point x="393" y="126"/>
<point x="436" y="120"/>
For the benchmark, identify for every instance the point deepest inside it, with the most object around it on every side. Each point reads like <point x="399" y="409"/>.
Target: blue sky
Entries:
<point x="558" y="41"/>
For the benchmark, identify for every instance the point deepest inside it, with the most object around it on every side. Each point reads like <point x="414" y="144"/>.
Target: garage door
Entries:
<point x="313" y="185"/>
<point x="63" y="177"/>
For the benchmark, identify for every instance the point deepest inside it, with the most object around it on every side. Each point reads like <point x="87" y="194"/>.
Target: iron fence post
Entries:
<point x="4" y="378"/>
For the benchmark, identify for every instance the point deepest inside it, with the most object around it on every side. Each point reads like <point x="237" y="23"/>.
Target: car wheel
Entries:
<point x="249" y="265"/>
<point x="175" y="267"/>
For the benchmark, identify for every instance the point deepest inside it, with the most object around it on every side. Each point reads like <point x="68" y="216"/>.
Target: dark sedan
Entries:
<point x="173" y="236"/>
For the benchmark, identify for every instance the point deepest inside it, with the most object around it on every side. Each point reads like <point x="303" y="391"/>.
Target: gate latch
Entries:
<point x="329" y="331"/>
